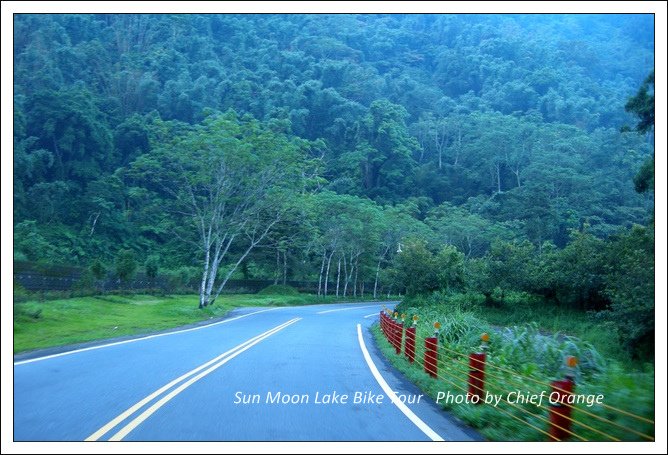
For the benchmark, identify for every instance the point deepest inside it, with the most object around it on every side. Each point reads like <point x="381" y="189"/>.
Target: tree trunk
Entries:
<point x="203" y="297"/>
<point x="92" y="229"/>
<point x="345" y="275"/>
<point x="322" y="269"/>
<point x="329" y="261"/>
<point x="338" y="276"/>
<point x="375" y="283"/>
<point x="458" y="147"/>
<point x="276" y="272"/>
<point x="229" y="274"/>
<point x="213" y="271"/>
<point x="357" y="269"/>
<point x="221" y="247"/>
<point x="285" y="267"/>
<point x="253" y="243"/>
<point x="380" y="260"/>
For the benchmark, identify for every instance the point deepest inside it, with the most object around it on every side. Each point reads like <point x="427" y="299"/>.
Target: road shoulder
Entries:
<point x="446" y="424"/>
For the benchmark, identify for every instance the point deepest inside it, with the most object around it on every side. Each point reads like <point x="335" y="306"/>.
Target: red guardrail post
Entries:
<point x="399" y="335"/>
<point x="386" y="325"/>
<point x="430" y="356"/>
<point x="560" y="413"/>
<point x="395" y="334"/>
<point x="476" y="379"/>
<point x="394" y="330"/>
<point x="390" y="330"/>
<point x="409" y="348"/>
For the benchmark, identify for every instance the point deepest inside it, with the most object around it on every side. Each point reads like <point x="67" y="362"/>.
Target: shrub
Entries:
<point x="98" y="270"/>
<point x="183" y="279"/>
<point x="20" y="293"/>
<point x="126" y="265"/>
<point x="279" y="289"/>
<point x="152" y="265"/>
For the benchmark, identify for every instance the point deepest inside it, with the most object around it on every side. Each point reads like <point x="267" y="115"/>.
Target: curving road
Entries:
<point x="308" y="373"/>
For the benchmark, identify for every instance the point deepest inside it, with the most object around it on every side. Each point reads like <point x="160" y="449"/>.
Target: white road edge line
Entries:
<point x="147" y="413"/>
<point x="116" y="343"/>
<point x="426" y="429"/>
<point x="128" y="412"/>
<point x="348" y="308"/>
<point x="370" y="315"/>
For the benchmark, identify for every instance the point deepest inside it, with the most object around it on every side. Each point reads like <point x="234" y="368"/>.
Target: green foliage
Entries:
<point x="643" y="181"/>
<point x="469" y="232"/>
<point x="86" y="283"/>
<point x="98" y="270"/>
<point x="19" y="293"/>
<point x="524" y="357"/>
<point x="183" y="277"/>
<point x="279" y="289"/>
<point x="449" y="263"/>
<point x="23" y="314"/>
<point x="29" y="243"/>
<point x="516" y="346"/>
<point x="487" y="147"/>
<point x="126" y="265"/>
<point x="580" y="270"/>
<point x="642" y="105"/>
<point x="152" y="265"/>
<point x="415" y="269"/>
<point x="391" y="108"/>
<point x="510" y="265"/>
<point x="629" y="283"/>
<point x="526" y="346"/>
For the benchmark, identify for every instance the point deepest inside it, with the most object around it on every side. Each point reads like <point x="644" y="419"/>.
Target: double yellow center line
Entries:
<point x="185" y="381"/>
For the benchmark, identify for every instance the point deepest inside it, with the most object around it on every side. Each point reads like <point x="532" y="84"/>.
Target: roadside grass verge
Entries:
<point x="517" y="308"/>
<point x="43" y="324"/>
<point x="565" y="321"/>
<point x="529" y="360"/>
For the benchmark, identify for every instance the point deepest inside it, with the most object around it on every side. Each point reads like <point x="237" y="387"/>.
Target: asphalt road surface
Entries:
<point x="309" y="373"/>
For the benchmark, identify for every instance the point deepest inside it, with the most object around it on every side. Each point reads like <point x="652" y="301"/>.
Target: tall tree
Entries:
<point x="642" y="105"/>
<point x="232" y="181"/>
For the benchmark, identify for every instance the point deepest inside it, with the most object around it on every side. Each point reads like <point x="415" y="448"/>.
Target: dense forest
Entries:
<point x="411" y="154"/>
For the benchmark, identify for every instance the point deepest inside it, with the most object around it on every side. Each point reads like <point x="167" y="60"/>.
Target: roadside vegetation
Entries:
<point x="527" y="356"/>
<point x="42" y="324"/>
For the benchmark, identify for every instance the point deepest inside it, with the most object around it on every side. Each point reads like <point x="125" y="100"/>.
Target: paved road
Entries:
<point x="276" y="374"/>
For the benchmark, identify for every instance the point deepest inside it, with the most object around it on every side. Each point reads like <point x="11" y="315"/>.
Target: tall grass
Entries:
<point x="524" y="356"/>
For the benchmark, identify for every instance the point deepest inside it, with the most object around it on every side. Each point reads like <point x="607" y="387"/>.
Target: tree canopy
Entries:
<point x="404" y="153"/>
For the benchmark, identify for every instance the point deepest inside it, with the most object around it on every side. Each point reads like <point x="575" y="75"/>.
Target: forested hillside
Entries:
<point x="404" y="153"/>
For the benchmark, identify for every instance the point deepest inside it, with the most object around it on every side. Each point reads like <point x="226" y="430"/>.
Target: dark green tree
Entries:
<point x="126" y="265"/>
<point x="98" y="270"/>
<point x="642" y="106"/>
<point x="629" y="284"/>
<point x="152" y="266"/>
